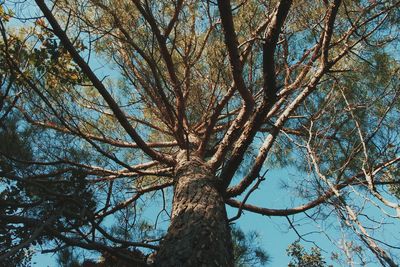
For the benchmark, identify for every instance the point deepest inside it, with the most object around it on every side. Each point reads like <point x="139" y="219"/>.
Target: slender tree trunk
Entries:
<point x="199" y="234"/>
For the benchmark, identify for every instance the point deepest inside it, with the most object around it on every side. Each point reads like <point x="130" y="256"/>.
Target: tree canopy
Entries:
<point x="127" y="127"/>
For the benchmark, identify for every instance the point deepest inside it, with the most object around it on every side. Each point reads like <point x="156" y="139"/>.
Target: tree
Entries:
<point x="247" y="250"/>
<point x="183" y="106"/>
<point x="301" y="258"/>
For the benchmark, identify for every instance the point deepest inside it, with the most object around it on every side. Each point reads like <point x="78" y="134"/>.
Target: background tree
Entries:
<point x="182" y="106"/>
<point x="301" y="258"/>
<point x="246" y="249"/>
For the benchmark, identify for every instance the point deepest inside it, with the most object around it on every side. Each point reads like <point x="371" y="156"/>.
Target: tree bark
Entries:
<point x="199" y="234"/>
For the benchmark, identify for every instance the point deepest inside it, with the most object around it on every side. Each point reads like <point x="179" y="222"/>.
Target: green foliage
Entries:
<point x="64" y="196"/>
<point x="302" y="258"/>
<point x="22" y="258"/>
<point x="392" y="178"/>
<point x="246" y="249"/>
<point x="13" y="143"/>
<point x="67" y="258"/>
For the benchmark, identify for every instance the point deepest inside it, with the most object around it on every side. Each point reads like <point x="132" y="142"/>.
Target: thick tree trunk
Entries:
<point x="199" y="234"/>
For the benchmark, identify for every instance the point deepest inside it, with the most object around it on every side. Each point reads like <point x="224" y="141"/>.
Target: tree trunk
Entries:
<point x="199" y="234"/>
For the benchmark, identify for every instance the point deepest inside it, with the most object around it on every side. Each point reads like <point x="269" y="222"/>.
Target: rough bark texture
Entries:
<point x="199" y="234"/>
